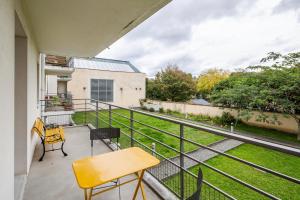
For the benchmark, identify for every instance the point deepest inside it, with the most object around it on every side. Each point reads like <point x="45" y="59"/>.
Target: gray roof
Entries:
<point x="103" y="64"/>
<point x="200" y="102"/>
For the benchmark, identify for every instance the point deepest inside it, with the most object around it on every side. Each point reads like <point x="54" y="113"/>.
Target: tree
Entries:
<point x="273" y="88"/>
<point x="154" y="89"/>
<point x="209" y="79"/>
<point x="172" y="84"/>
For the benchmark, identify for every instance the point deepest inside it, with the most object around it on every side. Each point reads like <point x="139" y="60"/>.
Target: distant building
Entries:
<point x="114" y="81"/>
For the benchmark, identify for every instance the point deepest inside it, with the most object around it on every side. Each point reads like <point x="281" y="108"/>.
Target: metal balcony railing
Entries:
<point x="173" y="172"/>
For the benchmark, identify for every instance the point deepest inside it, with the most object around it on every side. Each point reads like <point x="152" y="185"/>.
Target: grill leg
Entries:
<point x="62" y="148"/>
<point x="44" y="150"/>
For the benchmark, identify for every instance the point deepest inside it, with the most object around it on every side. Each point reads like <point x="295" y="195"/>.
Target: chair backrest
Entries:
<point x="197" y="194"/>
<point x="38" y="127"/>
<point x="104" y="133"/>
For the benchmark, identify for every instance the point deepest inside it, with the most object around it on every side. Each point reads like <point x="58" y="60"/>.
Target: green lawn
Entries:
<point x="274" y="160"/>
<point x="268" y="133"/>
<point x="277" y="161"/>
<point x="192" y="134"/>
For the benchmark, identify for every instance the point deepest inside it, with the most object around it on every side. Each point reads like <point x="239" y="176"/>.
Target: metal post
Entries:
<point x="97" y="115"/>
<point x="109" y="122"/>
<point x="181" y="162"/>
<point x="231" y="127"/>
<point x="85" y="112"/>
<point x="109" y="112"/>
<point x="131" y="128"/>
<point x="153" y="147"/>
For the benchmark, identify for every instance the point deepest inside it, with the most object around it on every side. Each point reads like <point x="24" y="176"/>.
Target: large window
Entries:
<point x="102" y="90"/>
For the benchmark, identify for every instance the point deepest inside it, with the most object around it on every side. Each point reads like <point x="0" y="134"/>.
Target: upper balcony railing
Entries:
<point x="176" y="143"/>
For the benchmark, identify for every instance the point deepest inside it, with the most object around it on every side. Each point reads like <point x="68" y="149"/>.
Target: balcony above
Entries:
<point x="58" y="70"/>
<point x="64" y="78"/>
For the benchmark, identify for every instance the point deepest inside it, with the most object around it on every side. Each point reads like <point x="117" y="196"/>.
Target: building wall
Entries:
<point x="288" y="124"/>
<point x="129" y="82"/>
<point x="51" y="84"/>
<point x="33" y="110"/>
<point x="20" y="105"/>
<point x="7" y="49"/>
<point x="8" y="8"/>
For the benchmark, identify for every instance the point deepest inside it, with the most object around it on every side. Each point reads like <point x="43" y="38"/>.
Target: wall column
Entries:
<point x="7" y="67"/>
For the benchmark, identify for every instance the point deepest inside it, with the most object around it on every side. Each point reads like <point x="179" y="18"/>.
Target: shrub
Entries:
<point x="169" y="111"/>
<point x="144" y="108"/>
<point x="217" y="120"/>
<point x="227" y="118"/>
<point x="151" y="109"/>
<point x="142" y="101"/>
<point x="161" y="110"/>
<point x="201" y="118"/>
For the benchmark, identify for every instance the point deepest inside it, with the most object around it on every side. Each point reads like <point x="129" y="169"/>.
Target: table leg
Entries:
<point x="139" y="185"/>
<point x="91" y="192"/>
<point x="143" y="191"/>
<point x="85" y="194"/>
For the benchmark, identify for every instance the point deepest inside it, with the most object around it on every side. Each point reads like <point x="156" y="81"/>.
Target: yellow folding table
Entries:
<point x="97" y="170"/>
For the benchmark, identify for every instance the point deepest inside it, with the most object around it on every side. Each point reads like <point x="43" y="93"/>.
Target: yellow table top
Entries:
<point x="97" y="170"/>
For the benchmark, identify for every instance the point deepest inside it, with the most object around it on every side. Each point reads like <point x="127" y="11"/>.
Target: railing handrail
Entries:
<point x="275" y="146"/>
<point x="279" y="147"/>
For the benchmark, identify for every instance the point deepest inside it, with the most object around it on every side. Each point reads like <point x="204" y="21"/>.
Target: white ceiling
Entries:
<point x="85" y="27"/>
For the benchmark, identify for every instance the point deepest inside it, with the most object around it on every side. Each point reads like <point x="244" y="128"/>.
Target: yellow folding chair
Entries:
<point x="49" y="136"/>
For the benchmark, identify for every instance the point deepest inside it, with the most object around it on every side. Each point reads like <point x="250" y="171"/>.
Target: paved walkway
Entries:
<point x="166" y="169"/>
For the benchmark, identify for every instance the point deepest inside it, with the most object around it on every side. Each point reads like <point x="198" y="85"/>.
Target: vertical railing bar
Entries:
<point x="109" y="118"/>
<point x="85" y="112"/>
<point x="97" y="115"/>
<point x="181" y="161"/>
<point x="131" y="128"/>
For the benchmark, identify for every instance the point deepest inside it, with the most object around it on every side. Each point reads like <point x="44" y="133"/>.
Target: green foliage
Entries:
<point x="169" y="111"/>
<point x="227" y="118"/>
<point x="151" y="110"/>
<point x="161" y="110"/>
<point x="209" y="79"/>
<point x="144" y="108"/>
<point x="171" y="84"/>
<point x="55" y="100"/>
<point x="142" y="102"/>
<point x="274" y="88"/>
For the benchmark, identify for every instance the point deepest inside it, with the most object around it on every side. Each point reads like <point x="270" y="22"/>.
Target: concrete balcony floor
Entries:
<point x="53" y="178"/>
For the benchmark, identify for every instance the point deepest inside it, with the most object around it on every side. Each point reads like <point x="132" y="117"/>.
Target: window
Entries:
<point x="102" y="90"/>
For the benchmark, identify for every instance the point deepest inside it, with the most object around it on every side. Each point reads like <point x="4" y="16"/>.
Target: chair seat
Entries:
<point x="54" y="135"/>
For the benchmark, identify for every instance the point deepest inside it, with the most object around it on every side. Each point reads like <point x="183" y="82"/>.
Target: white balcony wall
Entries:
<point x="7" y="98"/>
<point x="26" y="101"/>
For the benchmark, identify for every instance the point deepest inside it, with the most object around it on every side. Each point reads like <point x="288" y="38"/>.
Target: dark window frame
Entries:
<point x="102" y="90"/>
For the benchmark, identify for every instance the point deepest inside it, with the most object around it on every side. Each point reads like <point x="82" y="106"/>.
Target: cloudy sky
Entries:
<point x="201" y="34"/>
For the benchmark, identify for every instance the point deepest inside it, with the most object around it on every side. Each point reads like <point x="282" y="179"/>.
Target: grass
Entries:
<point x="201" y="137"/>
<point x="268" y="133"/>
<point x="286" y="164"/>
<point x="259" y="131"/>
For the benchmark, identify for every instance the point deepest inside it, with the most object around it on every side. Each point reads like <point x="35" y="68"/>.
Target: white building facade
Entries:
<point x="114" y="81"/>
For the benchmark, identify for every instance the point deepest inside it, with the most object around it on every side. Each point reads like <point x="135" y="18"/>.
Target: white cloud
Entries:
<point x="229" y="36"/>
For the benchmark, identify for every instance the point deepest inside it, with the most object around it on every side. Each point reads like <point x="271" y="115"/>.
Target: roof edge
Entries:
<point x="135" y="69"/>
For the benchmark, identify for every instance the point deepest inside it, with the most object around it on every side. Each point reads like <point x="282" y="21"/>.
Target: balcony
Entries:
<point x="53" y="178"/>
<point x="182" y="147"/>
<point x="58" y="70"/>
<point x="64" y="78"/>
